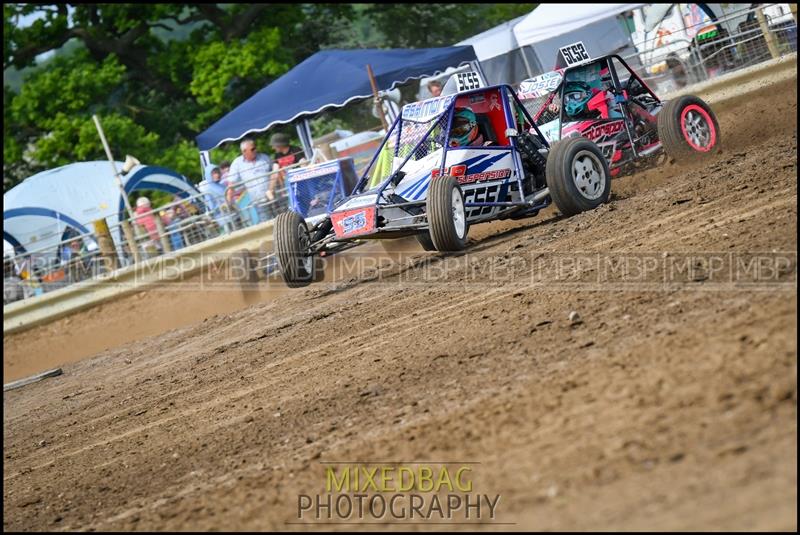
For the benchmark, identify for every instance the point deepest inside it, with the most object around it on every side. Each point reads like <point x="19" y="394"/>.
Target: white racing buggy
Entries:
<point x="446" y="163"/>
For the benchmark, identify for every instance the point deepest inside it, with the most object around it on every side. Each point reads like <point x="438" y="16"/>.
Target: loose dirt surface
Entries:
<point x="672" y="405"/>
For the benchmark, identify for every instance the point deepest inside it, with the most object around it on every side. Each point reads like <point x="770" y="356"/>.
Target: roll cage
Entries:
<point x="507" y="98"/>
<point x="621" y="93"/>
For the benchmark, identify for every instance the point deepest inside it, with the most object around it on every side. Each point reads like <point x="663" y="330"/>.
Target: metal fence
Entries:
<point x="167" y="228"/>
<point x="704" y="51"/>
<point x="697" y="53"/>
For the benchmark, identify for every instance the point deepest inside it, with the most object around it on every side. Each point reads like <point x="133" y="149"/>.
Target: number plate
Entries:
<point x="574" y="53"/>
<point x="353" y="222"/>
<point x="466" y="81"/>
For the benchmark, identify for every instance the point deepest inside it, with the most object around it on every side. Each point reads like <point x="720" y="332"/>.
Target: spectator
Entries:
<point x="230" y="192"/>
<point x="12" y="283"/>
<point x="172" y="225"/>
<point x="214" y="195"/>
<point x="75" y="265"/>
<point x="213" y="189"/>
<point x="225" y="168"/>
<point x="145" y="217"/>
<point x="285" y="155"/>
<point x="435" y="87"/>
<point x="192" y="228"/>
<point x="12" y="288"/>
<point x="252" y="169"/>
<point x="386" y="102"/>
<point x="66" y="252"/>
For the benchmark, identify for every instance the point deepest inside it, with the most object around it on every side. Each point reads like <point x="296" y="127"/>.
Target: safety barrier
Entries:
<point x="41" y="270"/>
<point x="701" y="52"/>
<point x="742" y="81"/>
<point x="134" y="278"/>
<point x="42" y="308"/>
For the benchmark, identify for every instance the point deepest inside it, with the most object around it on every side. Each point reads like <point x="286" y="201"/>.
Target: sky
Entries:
<point x="26" y="20"/>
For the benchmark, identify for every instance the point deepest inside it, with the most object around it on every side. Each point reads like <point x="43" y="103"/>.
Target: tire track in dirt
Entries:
<point x="406" y="326"/>
<point x="663" y="400"/>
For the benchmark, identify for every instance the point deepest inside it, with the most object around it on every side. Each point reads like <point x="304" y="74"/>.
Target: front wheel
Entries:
<point x="577" y="175"/>
<point x="424" y="239"/>
<point x="687" y="126"/>
<point x="447" y="216"/>
<point x="291" y="241"/>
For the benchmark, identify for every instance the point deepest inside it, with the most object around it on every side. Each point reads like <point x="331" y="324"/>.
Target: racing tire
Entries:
<point x="687" y="127"/>
<point x="425" y="241"/>
<point x="577" y="175"/>
<point x="447" y="216"/>
<point x="291" y="240"/>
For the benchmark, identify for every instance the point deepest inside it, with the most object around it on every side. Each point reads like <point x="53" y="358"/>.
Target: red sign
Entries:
<point x="353" y="222"/>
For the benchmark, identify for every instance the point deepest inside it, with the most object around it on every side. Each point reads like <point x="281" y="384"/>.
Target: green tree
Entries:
<point x="433" y="25"/>
<point x="153" y="94"/>
<point x="158" y="74"/>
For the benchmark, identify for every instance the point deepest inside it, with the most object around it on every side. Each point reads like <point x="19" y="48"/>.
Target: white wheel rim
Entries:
<point x="697" y="128"/>
<point x="302" y="231"/>
<point x="459" y="217"/>
<point x="588" y="175"/>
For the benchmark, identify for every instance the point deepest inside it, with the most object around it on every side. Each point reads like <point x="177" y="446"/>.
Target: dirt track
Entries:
<point x="669" y="407"/>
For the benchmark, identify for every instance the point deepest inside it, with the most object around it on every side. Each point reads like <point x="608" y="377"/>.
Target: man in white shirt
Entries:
<point x="252" y="168"/>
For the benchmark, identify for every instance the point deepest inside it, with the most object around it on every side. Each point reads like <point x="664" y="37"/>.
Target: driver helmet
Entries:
<point x="576" y="95"/>
<point x="464" y="130"/>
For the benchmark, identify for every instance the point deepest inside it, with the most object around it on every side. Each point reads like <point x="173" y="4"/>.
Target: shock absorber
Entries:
<point x="530" y="147"/>
<point x="323" y="230"/>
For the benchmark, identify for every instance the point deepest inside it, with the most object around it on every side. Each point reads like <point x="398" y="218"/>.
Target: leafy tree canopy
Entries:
<point x="158" y="74"/>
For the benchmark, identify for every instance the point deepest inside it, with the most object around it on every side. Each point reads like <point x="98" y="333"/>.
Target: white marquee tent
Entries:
<point x="501" y="57"/>
<point x="551" y="26"/>
<point x="552" y="20"/>
<point x="38" y="211"/>
<point x="527" y="46"/>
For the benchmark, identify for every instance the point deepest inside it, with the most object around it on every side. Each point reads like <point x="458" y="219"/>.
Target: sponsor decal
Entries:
<point x="608" y="150"/>
<point x="540" y="85"/>
<point x="494" y="103"/>
<point x="353" y="222"/>
<point x="459" y="172"/>
<point x="603" y="130"/>
<point x="297" y="174"/>
<point x="427" y="109"/>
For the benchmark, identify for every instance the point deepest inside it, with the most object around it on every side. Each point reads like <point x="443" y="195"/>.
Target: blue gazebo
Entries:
<point x="329" y="79"/>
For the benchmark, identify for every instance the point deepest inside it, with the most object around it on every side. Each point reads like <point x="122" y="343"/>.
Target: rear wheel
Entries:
<point x="687" y="126"/>
<point x="447" y="217"/>
<point x="291" y="242"/>
<point x="577" y="175"/>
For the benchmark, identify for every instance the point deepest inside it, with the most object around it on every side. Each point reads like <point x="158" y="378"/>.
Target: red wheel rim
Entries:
<point x="698" y="128"/>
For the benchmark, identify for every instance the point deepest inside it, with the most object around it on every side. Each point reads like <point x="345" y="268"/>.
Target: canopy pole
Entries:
<point x="310" y="136"/>
<point x="378" y="102"/>
<point x="304" y="133"/>
<point x="205" y="161"/>
<point x="113" y="166"/>
<point x="525" y="61"/>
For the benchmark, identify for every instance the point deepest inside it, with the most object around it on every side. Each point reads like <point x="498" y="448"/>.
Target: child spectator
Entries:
<point x="145" y="217"/>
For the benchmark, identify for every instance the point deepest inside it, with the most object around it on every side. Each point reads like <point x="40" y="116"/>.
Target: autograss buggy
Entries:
<point x="604" y="100"/>
<point x="447" y="163"/>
